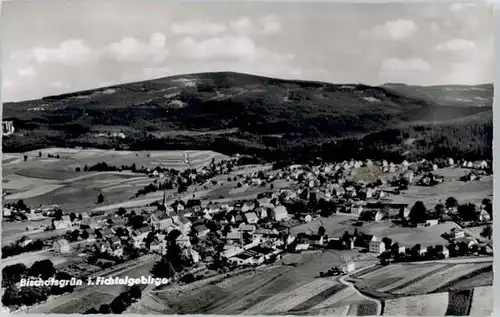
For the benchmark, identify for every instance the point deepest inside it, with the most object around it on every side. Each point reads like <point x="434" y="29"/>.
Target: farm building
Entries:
<point x="61" y="246"/>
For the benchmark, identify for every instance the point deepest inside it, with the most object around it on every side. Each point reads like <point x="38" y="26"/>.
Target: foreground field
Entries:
<point x="477" y="302"/>
<point x="407" y="279"/>
<point x="274" y="290"/>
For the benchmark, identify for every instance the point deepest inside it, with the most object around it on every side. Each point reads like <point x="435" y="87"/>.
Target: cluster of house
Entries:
<point x="246" y="241"/>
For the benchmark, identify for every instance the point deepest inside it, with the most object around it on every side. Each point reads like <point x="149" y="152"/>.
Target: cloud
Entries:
<point x="242" y="25"/>
<point x="68" y="52"/>
<point x="59" y="84"/>
<point x="198" y="28"/>
<point x="434" y="27"/>
<point x="396" y="65"/>
<point x="391" y="30"/>
<point x="456" y="45"/>
<point x="271" y="24"/>
<point x="130" y="49"/>
<point x="157" y="40"/>
<point x="26" y="72"/>
<point x="228" y="47"/>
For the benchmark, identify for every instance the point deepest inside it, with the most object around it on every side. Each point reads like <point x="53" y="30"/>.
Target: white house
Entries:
<point x="279" y="213"/>
<point x="376" y="247"/>
<point x="347" y="266"/>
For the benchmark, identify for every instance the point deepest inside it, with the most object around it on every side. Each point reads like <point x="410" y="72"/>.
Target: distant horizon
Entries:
<point x="58" y="46"/>
<point x="241" y="73"/>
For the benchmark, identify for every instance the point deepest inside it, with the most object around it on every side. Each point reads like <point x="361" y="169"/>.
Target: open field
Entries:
<point x="405" y="279"/>
<point x="336" y="225"/>
<point x="482" y="302"/>
<point x="435" y="281"/>
<point x="42" y="235"/>
<point x="473" y="191"/>
<point x="422" y="305"/>
<point x="42" y="181"/>
<point x="84" y="302"/>
<point x="272" y="290"/>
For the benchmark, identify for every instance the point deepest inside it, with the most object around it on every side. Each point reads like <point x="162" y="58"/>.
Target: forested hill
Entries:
<point x="235" y="112"/>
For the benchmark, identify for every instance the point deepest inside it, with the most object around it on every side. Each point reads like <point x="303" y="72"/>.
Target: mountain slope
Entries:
<point x="449" y="95"/>
<point x="255" y="107"/>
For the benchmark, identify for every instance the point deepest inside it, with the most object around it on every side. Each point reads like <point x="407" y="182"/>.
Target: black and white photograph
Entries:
<point x="247" y="157"/>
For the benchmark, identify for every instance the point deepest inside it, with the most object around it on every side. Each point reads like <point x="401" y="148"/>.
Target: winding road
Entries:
<point x="349" y="284"/>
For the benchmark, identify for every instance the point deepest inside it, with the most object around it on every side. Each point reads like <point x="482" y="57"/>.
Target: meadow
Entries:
<point x="411" y="279"/>
<point x="41" y="181"/>
<point x="336" y="225"/>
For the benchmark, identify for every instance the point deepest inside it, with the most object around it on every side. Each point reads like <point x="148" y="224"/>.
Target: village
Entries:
<point x="322" y="207"/>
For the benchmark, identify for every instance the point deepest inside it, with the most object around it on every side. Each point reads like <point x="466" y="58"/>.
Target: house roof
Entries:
<point x="280" y="210"/>
<point x="201" y="227"/>
<point x="251" y="216"/>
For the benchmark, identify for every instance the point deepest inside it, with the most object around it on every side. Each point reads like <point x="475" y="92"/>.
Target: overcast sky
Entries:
<point x="57" y="46"/>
